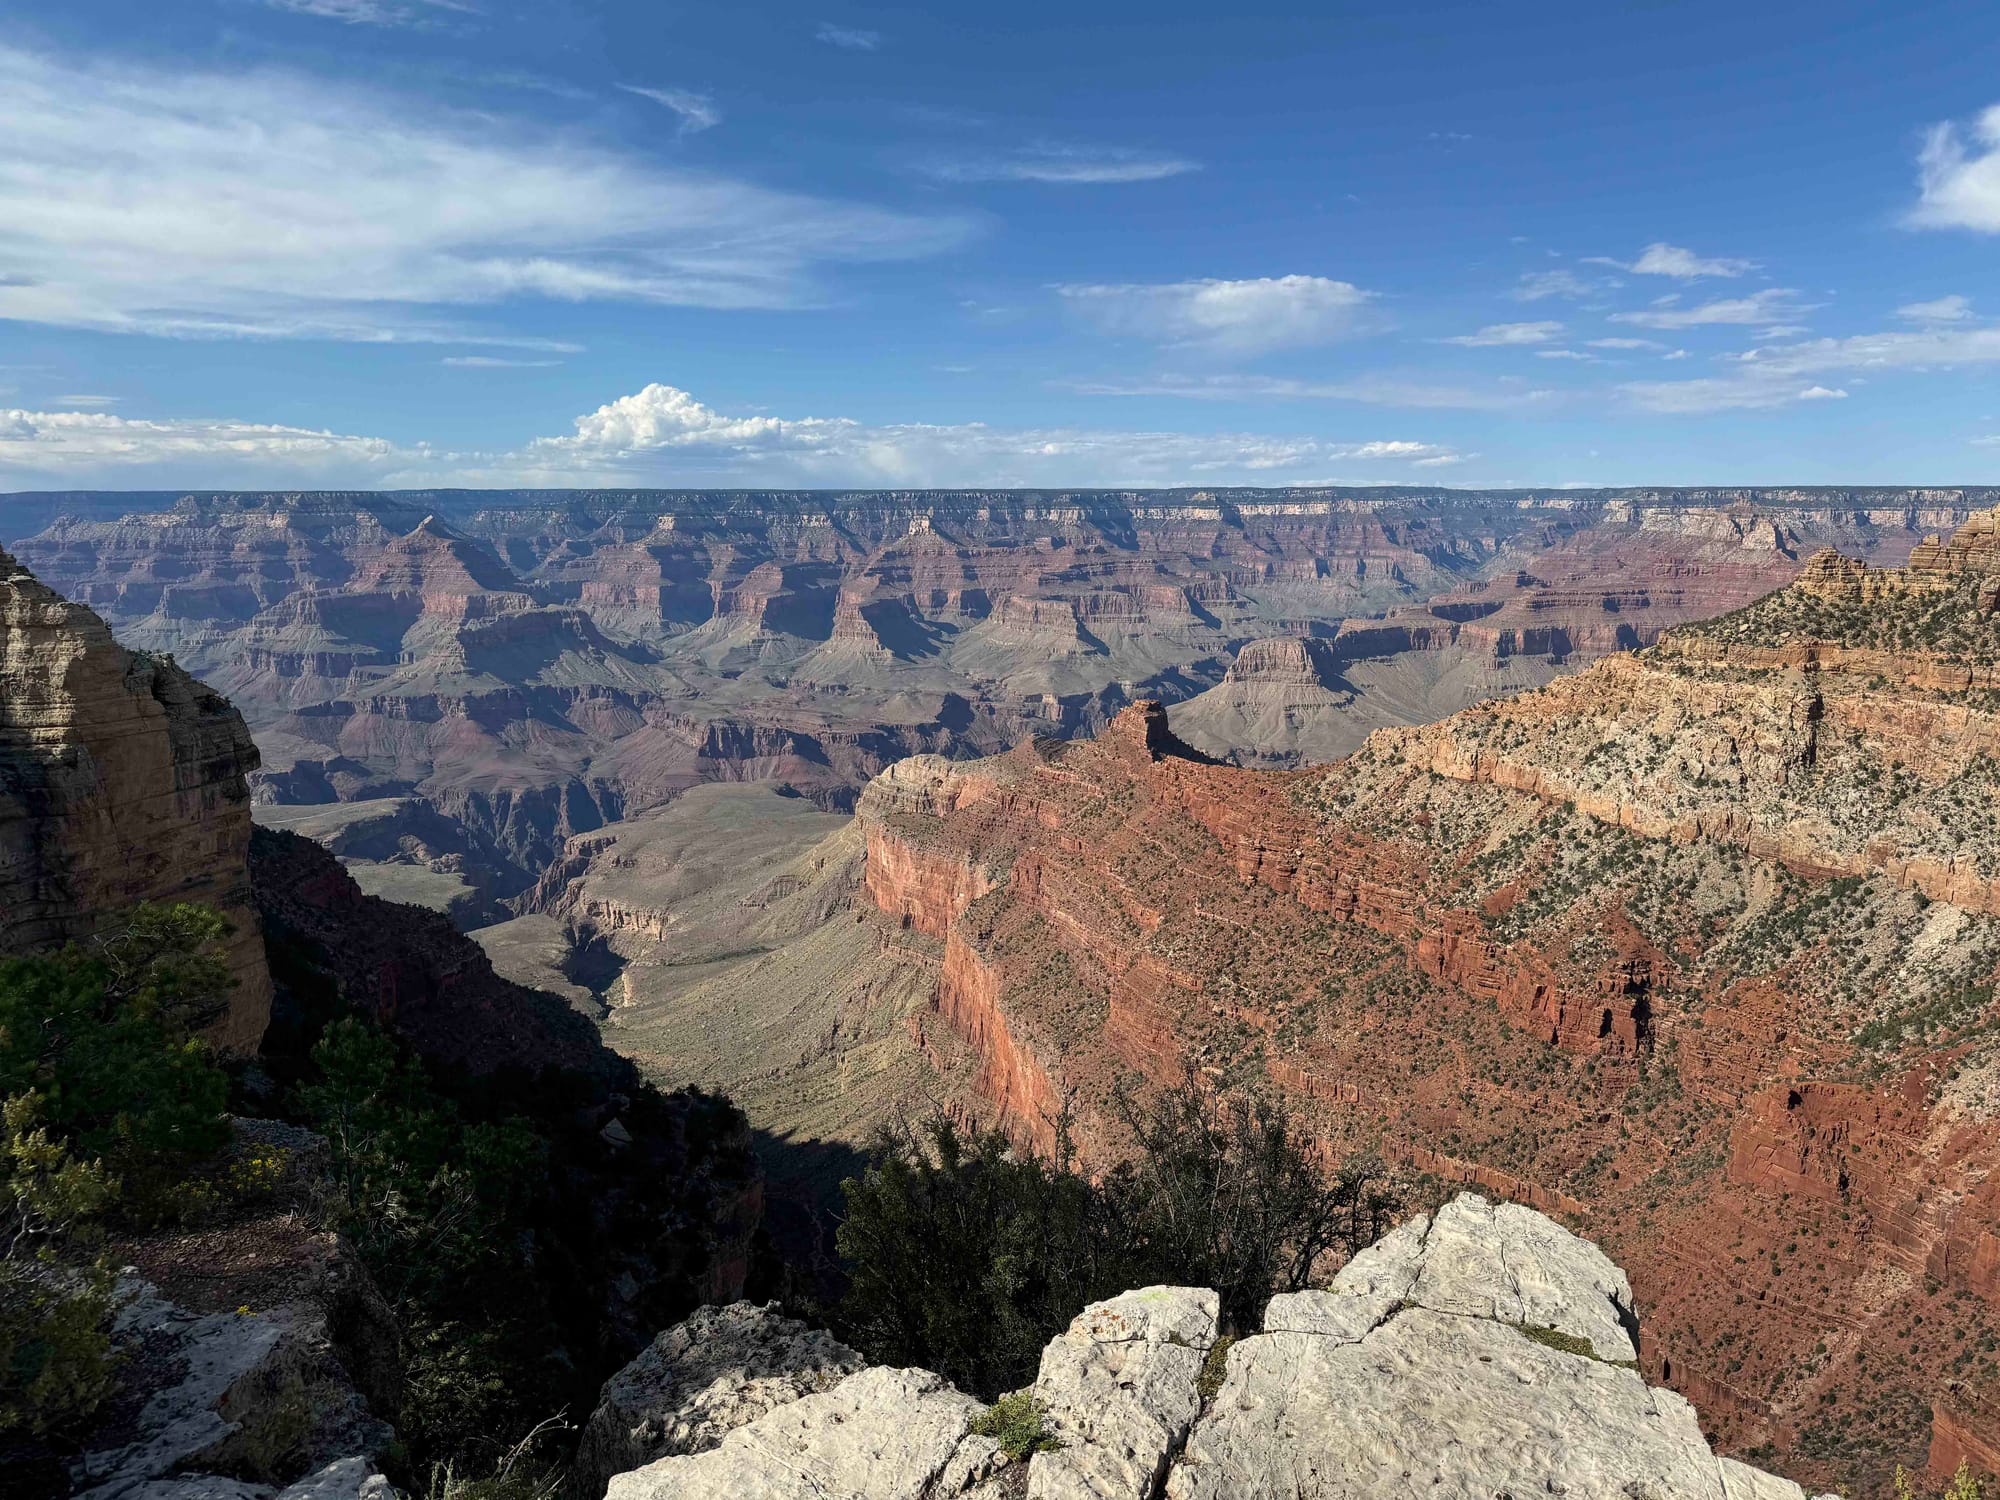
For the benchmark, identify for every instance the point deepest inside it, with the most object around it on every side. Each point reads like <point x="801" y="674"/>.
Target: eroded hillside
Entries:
<point x="1695" y="948"/>
<point x="493" y="674"/>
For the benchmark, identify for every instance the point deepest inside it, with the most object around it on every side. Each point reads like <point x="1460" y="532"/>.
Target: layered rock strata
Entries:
<point x="122" y="780"/>
<point x="528" y="668"/>
<point x="1698" y="946"/>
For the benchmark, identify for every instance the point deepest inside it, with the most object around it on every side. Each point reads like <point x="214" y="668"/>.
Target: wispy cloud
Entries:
<point x="97" y="445"/>
<point x="491" y="362"/>
<point x="664" y="433"/>
<point x="1662" y="259"/>
<point x="1507" y="334"/>
<point x="87" y="402"/>
<point x="1768" y="377"/>
<point x="1952" y="309"/>
<point x="852" y="38"/>
<point x="1059" y="164"/>
<point x="1539" y="286"/>
<point x="697" y="111"/>
<point x="1374" y="390"/>
<point x="1229" y="317"/>
<point x="270" y="204"/>
<point x="1958" y="176"/>
<point x="1759" y="308"/>
<point x="1625" y="343"/>
<point x="372" y="12"/>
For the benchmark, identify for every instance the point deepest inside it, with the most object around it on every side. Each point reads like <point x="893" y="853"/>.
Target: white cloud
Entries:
<point x="1538" y="286"/>
<point x="1662" y="259"/>
<point x="1509" y="334"/>
<point x="1565" y="354"/>
<point x="1952" y="309"/>
<point x="1772" y="377"/>
<point x="697" y="111"/>
<point x="851" y="38"/>
<point x="1959" y="181"/>
<point x="1367" y="391"/>
<point x="489" y="362"/>
<point x="1624" y="343"/>
<point x="1068" y="166"/>
<point x="663" y="435"/>
<point x="79" y="446"/>
<point x="370" y="12"/>
<point x="1757" y="308"/>
<point x="87" y="401"/>
<point x="270" y="204"/>
<point x="1229" y="317"/>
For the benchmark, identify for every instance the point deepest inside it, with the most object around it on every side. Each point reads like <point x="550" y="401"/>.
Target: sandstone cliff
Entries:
<point x="1698" y="946"/>
<point x="1485" y="1351"/>
<point x="122" y="780"/>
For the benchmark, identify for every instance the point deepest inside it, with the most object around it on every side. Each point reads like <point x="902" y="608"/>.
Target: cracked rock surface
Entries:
<point x="701" y="1380"/>
<point x="1119" y="1390"/>
<point x="1483" y="1352"/>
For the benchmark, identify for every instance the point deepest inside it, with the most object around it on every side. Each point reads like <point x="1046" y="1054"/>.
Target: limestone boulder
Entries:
<point x="701" y="1380"/>
<point x="880" y="1435"/>
<point x="1118" y="1391"/>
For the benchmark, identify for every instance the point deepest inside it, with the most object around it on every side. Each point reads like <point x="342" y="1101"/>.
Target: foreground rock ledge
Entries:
<point x="1485" y="1351"/>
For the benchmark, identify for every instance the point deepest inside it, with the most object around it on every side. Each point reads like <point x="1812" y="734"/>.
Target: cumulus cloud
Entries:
<point x="1067" y="166"/>
<point x="268" y="204"/>
<point x="1662" y="259"/>
<point x="850" y="38"/>
<point x="1958" y="176"/>
<point x="697" y="111"/>
<point x="1229" y="317"/>
<point x="1507" y="334"/>
<point x="664" y="435"/>
<point x="1764" y="307"/>
<point x="1952" y="309"/>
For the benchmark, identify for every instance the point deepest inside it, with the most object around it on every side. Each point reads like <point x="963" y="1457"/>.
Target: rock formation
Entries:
<point x="1697" y="947"/>
<point x="1485" y="1351"/>
<point x="521" y="669"/>
<point x="122" y="780"/>
<point x="698" y="1382"/>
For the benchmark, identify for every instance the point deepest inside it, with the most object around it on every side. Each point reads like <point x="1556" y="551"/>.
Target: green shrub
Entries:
<point x="1019" y="1423"/>
<point x="966" y="1256"/>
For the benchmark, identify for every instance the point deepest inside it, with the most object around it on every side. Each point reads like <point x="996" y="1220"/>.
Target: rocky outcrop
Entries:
<point x="1484" y="1351"/>
<point x="122" y="780"/>
<point x="698" y="1382"/>
<point x="237" y="1403"/>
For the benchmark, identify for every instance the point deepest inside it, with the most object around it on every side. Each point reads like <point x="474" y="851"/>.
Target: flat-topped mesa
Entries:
<point x="1300" y="660"/>
<point x="122" y="780"/>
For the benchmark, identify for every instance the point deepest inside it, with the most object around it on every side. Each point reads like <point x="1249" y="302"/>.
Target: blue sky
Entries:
<point x="413" y="242"/>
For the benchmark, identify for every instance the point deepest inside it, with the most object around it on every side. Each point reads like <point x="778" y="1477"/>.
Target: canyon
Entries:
<point x="1694" y="949"/>
<point x="461" y="681"/>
